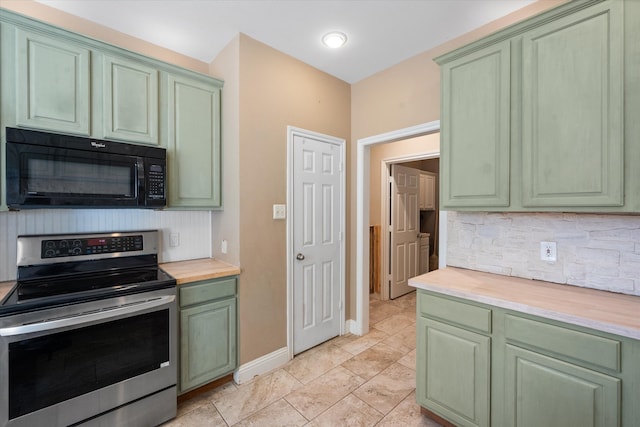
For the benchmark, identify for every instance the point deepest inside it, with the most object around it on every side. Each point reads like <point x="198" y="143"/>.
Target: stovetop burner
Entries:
<point x="85" y="282"/>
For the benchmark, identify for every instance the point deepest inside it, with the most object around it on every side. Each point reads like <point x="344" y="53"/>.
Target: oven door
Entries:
<point x="67" y="365"/>
<point x="45" y="176"/>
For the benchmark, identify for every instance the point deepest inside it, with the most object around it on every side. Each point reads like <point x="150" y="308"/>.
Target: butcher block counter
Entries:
<point x="5" y="288"/>
<point x="600" y="310"/>
<point x="199" y="269"/>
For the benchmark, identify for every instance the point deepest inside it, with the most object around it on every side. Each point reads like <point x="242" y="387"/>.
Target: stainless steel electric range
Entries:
<point x="88" y="334"/>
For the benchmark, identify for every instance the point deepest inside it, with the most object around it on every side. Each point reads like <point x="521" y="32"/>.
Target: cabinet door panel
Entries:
<point x="207" y="342"/>
<point x="52" y="84"/>
<point x="572" y="147"/>
<point x="542" y="391"/>
<point x="130" y="101"/>
<point x="194" y="144"/>
<point x="427" y="191"/>
<point x="453" y="373"/>
<point x="476" y="125"/>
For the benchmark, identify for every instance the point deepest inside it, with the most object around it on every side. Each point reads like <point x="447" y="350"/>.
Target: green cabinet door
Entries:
<point x="193" y="143"/>
<point x="475" y="139"/>
<point x="130" y="96"/>
<point x="452" y="373"/>
<point x="542" y="391"/>
<point x="52" y="84"/>
<point x="207" y="342"/>
<point x="572" y="110"/>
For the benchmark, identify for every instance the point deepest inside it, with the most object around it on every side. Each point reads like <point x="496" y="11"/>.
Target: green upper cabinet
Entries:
<point x="52" y="84"/>
<point x="130" y="95"/>
<point x="475" y="132"/>
<point x="58" y="81"/>
<point x="541" y="115"/>
<point x="572" y="110"/>
<point x="194" y="143"/>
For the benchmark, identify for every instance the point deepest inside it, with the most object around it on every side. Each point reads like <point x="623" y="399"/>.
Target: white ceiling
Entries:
<point x="381" y="33"/>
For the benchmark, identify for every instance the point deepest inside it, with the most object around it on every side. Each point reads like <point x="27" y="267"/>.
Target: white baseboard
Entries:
<point x="261" y="365"/>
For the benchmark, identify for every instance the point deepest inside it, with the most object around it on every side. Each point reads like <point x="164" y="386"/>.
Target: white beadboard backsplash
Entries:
<point x="593" y="251"/>
<point x="194" y="228"/>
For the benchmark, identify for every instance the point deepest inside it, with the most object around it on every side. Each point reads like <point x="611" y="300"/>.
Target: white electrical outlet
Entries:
<point x="223" y="247"/>
<point x="548" y="251"/>
<point x="174" y="240"/>
<point x="279" y="211"/>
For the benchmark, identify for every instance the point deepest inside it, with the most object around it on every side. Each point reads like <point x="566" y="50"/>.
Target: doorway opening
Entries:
<point x="360" y="325"/>
<point x="383" y="274"/>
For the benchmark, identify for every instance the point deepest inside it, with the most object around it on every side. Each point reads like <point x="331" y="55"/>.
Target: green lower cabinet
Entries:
<point x="543" y="391"/>
<point x="483" y="365"/>
<point x="453" y="372"/>
<point x="208" y="332"/>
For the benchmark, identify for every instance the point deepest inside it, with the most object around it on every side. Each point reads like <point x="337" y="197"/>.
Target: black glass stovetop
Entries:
<point x="37" y="293"/>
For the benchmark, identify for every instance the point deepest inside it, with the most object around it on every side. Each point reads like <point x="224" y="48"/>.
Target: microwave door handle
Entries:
<point x="81" y="318"/>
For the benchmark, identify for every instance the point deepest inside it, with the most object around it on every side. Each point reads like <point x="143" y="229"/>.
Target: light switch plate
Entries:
<point x="174" y="240"/>
<point x="279" y="211"/>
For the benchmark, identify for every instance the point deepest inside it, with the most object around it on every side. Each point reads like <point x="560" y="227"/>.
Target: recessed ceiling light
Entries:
<point x="334" y="39"/>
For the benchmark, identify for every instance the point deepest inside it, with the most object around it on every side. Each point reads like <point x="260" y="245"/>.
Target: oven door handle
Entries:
<point x="77" y="319"/>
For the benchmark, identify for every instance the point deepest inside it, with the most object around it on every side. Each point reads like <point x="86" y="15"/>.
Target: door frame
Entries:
<point x="291" y="132"/>
<point x="385" y="170"/>
<point x="361" y="324"/>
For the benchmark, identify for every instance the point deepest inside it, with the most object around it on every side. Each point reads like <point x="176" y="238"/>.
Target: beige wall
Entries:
<point x="275" y="91"/>
<point x="404" y="95"/>
<point x="225" y="224"/>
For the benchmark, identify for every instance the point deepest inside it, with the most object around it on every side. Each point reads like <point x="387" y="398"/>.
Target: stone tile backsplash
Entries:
<point x="593" y="251"/>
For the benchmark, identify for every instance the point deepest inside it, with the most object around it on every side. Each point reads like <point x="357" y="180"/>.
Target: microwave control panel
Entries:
<point x="155" y="182"/>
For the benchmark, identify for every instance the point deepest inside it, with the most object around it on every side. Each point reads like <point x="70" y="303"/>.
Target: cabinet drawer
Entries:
<point x="579" y="346"/>
<point x="466" y="315"/>
<point x="207" y="291"/>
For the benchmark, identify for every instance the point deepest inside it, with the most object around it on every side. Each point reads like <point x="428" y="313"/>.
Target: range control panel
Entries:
<point x="57" y="248"/>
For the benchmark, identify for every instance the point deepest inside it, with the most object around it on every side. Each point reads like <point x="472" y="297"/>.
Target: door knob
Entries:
<point x="299" y="257"/>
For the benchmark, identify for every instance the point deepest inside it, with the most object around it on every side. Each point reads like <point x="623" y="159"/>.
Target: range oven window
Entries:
<point x="53" y="368"/>
<point x="48" y="174"/>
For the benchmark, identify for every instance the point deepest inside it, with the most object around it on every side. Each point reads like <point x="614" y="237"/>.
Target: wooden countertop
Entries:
<point x="601" y="310"/>
<point x="5" y="288"/>
<point x="199" y="269"/>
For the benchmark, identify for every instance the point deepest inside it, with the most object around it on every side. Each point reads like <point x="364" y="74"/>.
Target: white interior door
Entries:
<point x="317" y="234"/>
<point x="405" y="190"/>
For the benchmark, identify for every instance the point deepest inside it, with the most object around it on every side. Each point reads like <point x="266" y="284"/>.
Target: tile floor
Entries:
<point x="348" y="381"/>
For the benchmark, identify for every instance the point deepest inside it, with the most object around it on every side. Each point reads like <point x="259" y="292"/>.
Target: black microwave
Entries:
<point x="46" y="170"/>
